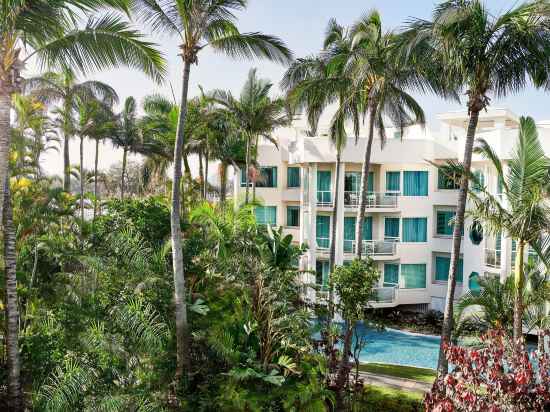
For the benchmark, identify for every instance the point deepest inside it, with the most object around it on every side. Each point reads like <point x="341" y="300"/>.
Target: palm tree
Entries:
<point x="198" y="24"/>
<point x="53" y="34"/>
<point x="64" y="88"/>
<point x="255" y="114"/>
<point x="381" y="81"/>
<point x="314" y="83"/>
<point x="524" y="215"/>
<point x="127" y="136"/>
<point x="482" y="54"/>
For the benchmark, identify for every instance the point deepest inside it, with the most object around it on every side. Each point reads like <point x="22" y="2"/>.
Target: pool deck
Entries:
<point x="395" y="383"/>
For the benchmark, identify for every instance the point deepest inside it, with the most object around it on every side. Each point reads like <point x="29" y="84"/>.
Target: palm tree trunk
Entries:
<point x="96" y="160"/>
<point x="81" y="186"/>
<point x="15" y="400"/>
<point x="123" y="177"/>
<point x="223" y="181"/>
<point x="66" y="137"/>
<point x="443" y="366"/>
<point x="205" y="172"/>
<point x="247" y="168"/>
<point x="255" y="157"/>
<point x="540" y="342"/>
<point x="183" y="362"/>
<point x="201" y="174"/>
<point x="343" y="369"/>
<point x="519" y="281"/>
<point x="332" y="251"/>
<point x="364" y="187"/>
<point x="5" y="106"/>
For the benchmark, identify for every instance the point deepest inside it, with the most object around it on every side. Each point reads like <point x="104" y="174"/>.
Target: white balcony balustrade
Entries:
<point x="386" y="247"/>
<point x="387" y="294"/>
<point x="324" y="198"/>
<point x="387" y="200"/>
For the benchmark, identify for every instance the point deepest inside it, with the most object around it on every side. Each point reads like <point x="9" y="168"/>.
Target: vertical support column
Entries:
<point x="236" y="186"/>
<point x="340" y="219"/>
<point x="311" y="224"/>
<point x="505" y="262"/>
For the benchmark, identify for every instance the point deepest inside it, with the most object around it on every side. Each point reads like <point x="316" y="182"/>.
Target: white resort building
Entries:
<point x="410" y="208"/>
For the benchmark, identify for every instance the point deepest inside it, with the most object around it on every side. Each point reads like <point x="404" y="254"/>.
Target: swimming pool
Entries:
<point x="400" y="348"/>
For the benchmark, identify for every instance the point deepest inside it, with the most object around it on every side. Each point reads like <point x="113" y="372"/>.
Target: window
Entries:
<point x="324" y="193"/>
<point x="391" y="228"/>
<point x="352" y="180"/>
<point x="391" y="274"/>
<point x="268" y="177"/>
<point x="445" y="182"/>
<point x="414" y="276"/>
<point x="444" y="222"/>
<point x="349" y="232"/>
<point x="243" y="178"/>
<point x="293" y="177"/>
<point x="415" y="229"/>
<point x="479" y="183"/>
<point x="322" y="270"/>
<point x="323" y="229"/>
<point x="266" y="215"/>
<point x="370" y="182"/>
<point x="476" y="233"/>
<point x="473" y="283"/>
<point x="500" y="185"/>
<point x="442" y="266"/>
<point x="415" y="183"/>
<point x="293" y="216"/>
<point x="393" y="183"/>
<point x="397" y="134"/>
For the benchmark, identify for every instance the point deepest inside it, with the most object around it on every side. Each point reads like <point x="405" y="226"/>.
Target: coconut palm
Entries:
<point x="255" y="114"/>
<point x="198" y="24"/>
<point x="64" y="89"/>
<point x="482" y="54"/>
<point x="524" y="215"/>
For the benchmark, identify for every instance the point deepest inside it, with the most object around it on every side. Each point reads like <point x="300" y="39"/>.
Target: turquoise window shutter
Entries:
<point x="473" y="283"/>
<point x="391" y="274"/>
<point x="266" y="215"/>
<point x="293" y="177"/>
<point x="415" y="183"/>
<point x="349" y="234"/>
<point x="370" y="182"/>
<point x="324" y="194"/>
<point x="323" y="230"/>
<point x="367" y="228"/>
<point x="415" y="229"/>
<point x="442" y="267"/>
<point x="444" y="223"/>
<point x="293" y="216"/>
<point x="391" y="228"/>
<point x="414" y="276"/>
<point x="393" y="181"/>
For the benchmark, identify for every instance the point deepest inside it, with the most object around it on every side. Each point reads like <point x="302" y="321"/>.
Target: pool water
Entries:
<point x="400" y="348"/>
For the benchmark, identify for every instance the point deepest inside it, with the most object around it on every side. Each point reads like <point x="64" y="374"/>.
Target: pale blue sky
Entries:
<point x="301" y="24"/>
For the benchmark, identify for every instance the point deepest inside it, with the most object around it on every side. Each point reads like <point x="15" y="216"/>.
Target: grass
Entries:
<point x="378" y="398"/>
<point x="398" y="371"/>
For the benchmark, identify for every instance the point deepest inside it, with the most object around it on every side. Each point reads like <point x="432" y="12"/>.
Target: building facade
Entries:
<point x="410" y="208"/>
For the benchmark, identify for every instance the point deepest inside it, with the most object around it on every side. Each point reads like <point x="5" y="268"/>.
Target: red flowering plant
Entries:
<point x="499" y="377"/>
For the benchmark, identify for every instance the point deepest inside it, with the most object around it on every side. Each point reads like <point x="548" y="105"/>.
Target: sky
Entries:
<point x="301" y="24"/>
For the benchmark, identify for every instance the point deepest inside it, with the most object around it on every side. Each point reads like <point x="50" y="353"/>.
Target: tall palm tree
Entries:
<point x="312" y="84"/>
<point x="127" y="136"/>
<point x="53" y="34"/>
<point x="381" y="84"/>
<point x="63" y="88"/>
<point x="198" y="24"/>
<point x="482" y="54"/>
<point x="524" y="216"/>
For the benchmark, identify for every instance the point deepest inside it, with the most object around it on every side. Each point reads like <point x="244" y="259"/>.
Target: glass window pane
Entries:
<point x="391" y="274"/>
<point x="324" y="194"/>
<point x="442" y="267"/>
<point x="446" y="182"/>
<point x="393" y="181"/>
<point x="323" y="230"/>
<point x="266" y="215"/>
<point x="414" y="276"/>
<point x="391" y="228"/>
<point x="293" y="216"/>
<point x="268" y="177"/>
<point x="293" y="177"/>
<point x="415" y="183"/>
<point x="415" y="229"/>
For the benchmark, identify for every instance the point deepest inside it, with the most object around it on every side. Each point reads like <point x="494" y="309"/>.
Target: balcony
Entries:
<point x="324" y="198"/>
<point x="374" y="248"/>
<point x="493" y="258"/>
<point x="385" y="297"/>
<point x="386" y="200"/>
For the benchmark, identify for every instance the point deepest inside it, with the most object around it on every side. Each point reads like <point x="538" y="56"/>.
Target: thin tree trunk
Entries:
<point x="343" y="368"/>
<point x="247" y="168"/>
<point x="364" y="187"/>
<point x="332" y="250"/>
<point x="255" y="158"/>
<point x="443" y="366"/>
<point x="5" y="106"/>
<point x="15" y="400"/>
<point x="201" y="174"/>
<point x="123" y="177"/>
<point x="540" y="343"/>
<point x="96" y="160"/>
<point x="182" y="329"/>
<point x="223" y="181"/>
<point x="519" y="281"/>
<point x="81" y="186"/>
<point x="205" y="172"/>
<point x="66" y="137"/>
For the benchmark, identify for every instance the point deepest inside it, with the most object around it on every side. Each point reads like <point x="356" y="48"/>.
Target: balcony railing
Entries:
<point x="374" y="200"/>
<point x="351" y="198"/>
<point x="324" y="198"/>
<point x="385" y="247"/>
<point x="386" y="294"/>
<point x="323" y="243"/>
<point x="493" y="258"/>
